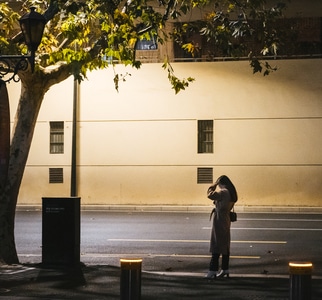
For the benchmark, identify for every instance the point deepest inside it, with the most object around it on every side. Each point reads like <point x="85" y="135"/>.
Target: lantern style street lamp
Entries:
<point x="32" y="25"/>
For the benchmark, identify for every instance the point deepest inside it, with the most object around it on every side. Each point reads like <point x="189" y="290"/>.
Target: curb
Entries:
<point x="202" y="275"/>
<point x="194" y="209"/>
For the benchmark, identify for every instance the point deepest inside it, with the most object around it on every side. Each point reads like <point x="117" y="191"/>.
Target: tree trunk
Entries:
<point x="8" y="253"/>
<point x="4" y="134"/>
<point x="4" y="162"/>
<point x="25" y="121"/>
<point x="26" y="116"/>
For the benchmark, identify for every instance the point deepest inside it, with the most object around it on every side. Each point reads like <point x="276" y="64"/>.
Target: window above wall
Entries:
<point x="205" y="136"/>
<point x="56" y="137"/>
<point x="147" y="44"/>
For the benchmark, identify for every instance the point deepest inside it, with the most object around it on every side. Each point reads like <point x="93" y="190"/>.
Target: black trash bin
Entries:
<point x="61" y="230"/>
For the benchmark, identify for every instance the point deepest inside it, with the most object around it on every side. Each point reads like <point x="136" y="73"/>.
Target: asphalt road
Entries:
<point x="262" y="243"/>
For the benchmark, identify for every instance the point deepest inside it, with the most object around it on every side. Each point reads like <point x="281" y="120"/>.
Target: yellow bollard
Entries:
<point x="300" y="280"/>
<point x="130" y="286"/>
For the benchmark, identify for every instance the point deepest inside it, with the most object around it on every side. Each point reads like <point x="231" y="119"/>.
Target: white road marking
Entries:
<point x="196" y="274"/>
<point x="152" y="255"/>
<point x="192" y="241"/>
<point x="270" y="228"/>
<point x="145" y="255"/>
<point x="13" y="269"/>
<point x="279" y="229"/>
<point x="283" y="220"/>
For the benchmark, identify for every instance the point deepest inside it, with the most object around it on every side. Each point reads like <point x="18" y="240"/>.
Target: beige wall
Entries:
<point x="139" y="146"/>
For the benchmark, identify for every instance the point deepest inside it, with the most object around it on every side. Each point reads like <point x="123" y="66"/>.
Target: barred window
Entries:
<point x="56" y="137"/>
<point x="205" y="136"/>
<point x="149" y="43"/>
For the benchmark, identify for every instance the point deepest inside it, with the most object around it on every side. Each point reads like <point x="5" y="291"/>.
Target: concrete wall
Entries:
<point x="139" y="146"/>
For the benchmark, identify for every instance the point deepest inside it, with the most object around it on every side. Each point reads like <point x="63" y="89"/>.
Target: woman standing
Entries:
<point x="224" y="195"/>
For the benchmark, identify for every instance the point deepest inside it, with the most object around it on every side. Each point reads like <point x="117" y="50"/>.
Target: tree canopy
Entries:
<point x="88" y="35"/>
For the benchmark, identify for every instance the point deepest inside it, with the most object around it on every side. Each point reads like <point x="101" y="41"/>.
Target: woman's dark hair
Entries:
<point x="224" y="180"/>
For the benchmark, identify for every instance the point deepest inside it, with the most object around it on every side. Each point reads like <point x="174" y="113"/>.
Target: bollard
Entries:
<point x="130" y="286"/>
<point x="300" y="280"/>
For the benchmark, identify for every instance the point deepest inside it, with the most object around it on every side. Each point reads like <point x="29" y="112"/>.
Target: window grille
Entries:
<point x="56" y="137"/>
<point x="303" y="40"/>
<point x="149" y="43"/>
<point x="205" y="175"/>
<point x="205" y="136"/>
<point x="56" y="175"/>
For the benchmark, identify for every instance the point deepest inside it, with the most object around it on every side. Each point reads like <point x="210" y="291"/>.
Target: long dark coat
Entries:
<point x="220" y="233"/>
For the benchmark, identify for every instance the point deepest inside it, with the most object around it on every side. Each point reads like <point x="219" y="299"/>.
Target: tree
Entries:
<point x="81" y="36"/>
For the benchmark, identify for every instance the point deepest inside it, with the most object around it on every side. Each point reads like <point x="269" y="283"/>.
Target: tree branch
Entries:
<point x="170" y="6"/>
<point x="50" y="12"/>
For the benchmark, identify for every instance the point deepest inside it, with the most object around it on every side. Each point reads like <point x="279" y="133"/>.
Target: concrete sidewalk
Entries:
<point x="90" y="282"/>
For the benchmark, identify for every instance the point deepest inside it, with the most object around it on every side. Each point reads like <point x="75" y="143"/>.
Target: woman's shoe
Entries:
<point x="222" y="273"/>
<point x="211" y="275"/>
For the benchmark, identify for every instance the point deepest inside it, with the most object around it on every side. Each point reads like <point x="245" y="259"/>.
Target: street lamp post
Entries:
<point x="32" y="25"/>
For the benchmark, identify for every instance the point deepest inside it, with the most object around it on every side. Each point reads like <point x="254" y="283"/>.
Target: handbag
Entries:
<point x="233" y="216"/>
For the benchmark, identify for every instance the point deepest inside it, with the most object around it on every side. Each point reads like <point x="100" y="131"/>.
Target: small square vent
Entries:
<point x="205" y="175"/>
<point x="56" y="175"/>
